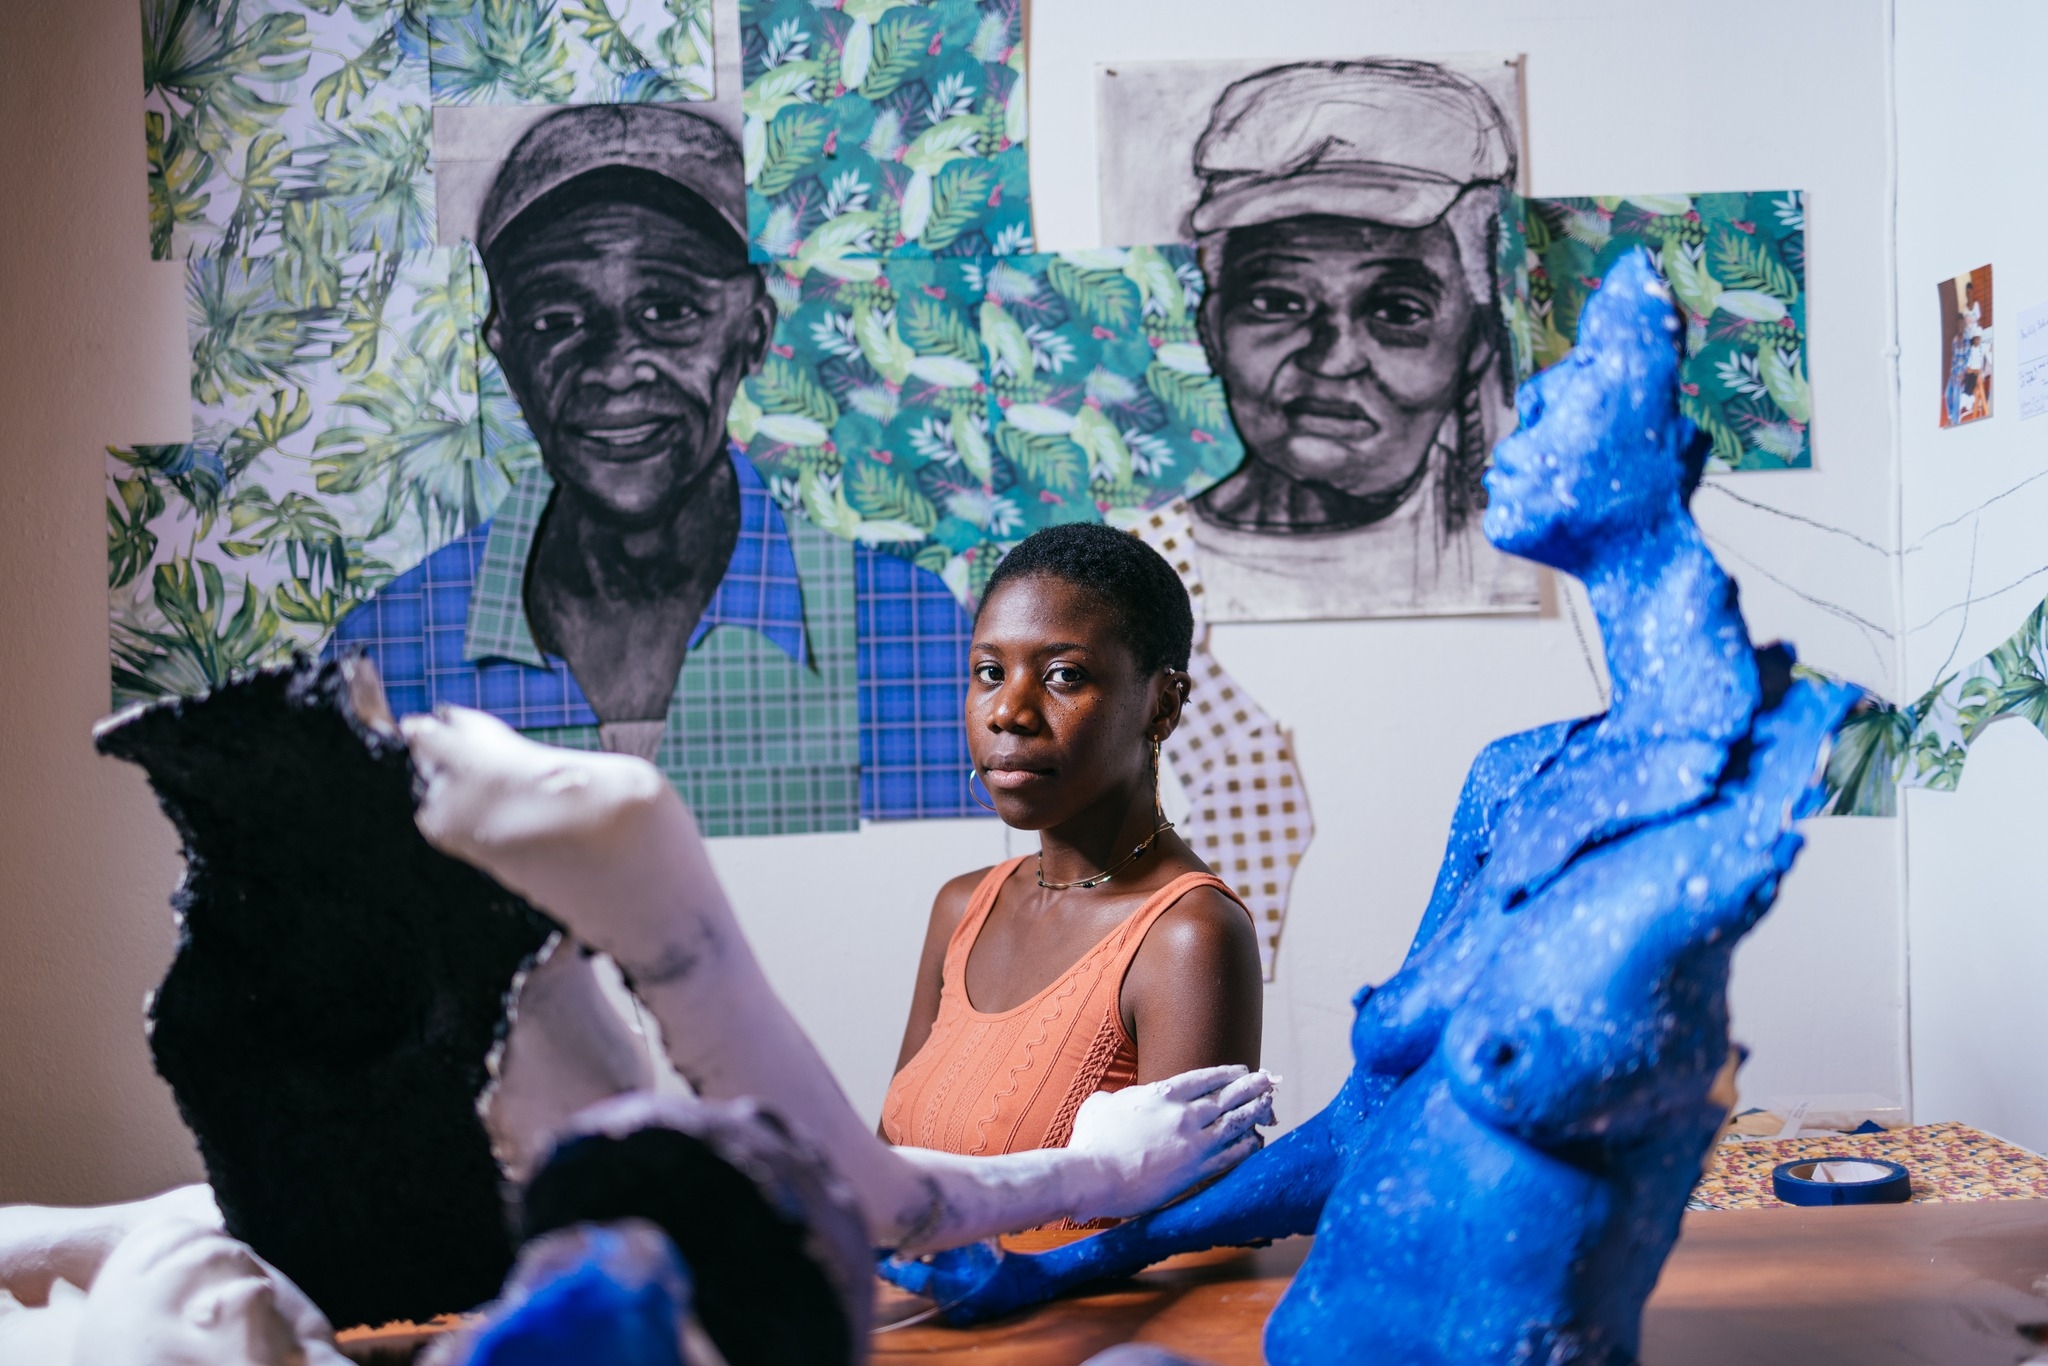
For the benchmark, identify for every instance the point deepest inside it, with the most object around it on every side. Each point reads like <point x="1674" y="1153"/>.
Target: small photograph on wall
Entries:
<point x="1966" y="347"/>
<point x="1348" y="223"/>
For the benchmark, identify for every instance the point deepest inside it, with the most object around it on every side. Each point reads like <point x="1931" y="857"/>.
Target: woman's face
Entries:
<point x="1342" y="345"/>
<point x="1058" y="716"/>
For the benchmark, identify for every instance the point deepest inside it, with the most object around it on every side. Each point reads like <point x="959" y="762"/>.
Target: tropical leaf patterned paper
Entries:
<point x="944" y="409"/>
<point x="1104" y="403"/>
<point x="308" y="123"/>
<point x="346" y="421"/>
<point x="870" y="416"/>
<point x="1883" y="747"/>
<point x="895" y="127"/>
<point x="1737" y="264"/>
<point x="570" y="51"/>
<point x="286" y="125"/>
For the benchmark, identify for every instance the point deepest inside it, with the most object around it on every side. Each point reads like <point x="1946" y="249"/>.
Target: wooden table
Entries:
<point x="1927" y="1284"/>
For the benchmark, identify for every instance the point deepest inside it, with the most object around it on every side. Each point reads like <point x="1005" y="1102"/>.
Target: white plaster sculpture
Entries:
<point x="151" y="1283"/>
<point x="568" y="1047"/>
<point x="602" y="843"/>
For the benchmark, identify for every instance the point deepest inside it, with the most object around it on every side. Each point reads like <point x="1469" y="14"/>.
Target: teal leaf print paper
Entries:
<point x="1737" y="264"/>
<point x="907" y="113"/>
<point x="870" y="415"/>
<point x="943" y="409"/>
<point x="1104" y="401"/>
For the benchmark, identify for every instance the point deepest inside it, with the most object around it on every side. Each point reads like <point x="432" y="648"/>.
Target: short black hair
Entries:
<point x="1120" y="571"/>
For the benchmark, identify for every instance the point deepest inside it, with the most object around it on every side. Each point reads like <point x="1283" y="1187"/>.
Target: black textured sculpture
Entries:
<point x="337" y="989"/>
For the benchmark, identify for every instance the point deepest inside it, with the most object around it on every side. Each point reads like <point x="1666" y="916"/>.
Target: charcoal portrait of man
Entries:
<point x="639" y="588"/>
<point x="625" y="315"/>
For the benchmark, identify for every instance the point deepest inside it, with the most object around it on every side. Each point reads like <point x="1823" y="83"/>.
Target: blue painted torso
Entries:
<point x="1533" y="1167"/>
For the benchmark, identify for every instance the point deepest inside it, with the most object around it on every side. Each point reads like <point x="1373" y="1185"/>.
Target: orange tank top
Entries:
<point x="1011" y="1081"/>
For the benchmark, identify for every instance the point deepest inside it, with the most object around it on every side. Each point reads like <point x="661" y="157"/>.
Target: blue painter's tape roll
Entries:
<point x="1854" y="1181"/>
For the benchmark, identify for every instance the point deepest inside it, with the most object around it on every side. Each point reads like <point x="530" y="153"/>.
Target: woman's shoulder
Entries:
<point x="1204" y="924"/>
<point x="1205" y="937"/>
<point x="949" y="907"/>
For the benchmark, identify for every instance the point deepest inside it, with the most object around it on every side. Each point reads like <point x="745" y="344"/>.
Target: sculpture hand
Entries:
<point x="1151" y="1142"/>
<point x="970" y="1284"/>
<point x="603" y="844"/>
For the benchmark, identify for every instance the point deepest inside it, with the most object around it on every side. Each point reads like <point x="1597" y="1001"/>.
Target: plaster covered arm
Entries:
<point x="603" y="843"/>
<point x="1276" y="1193"/>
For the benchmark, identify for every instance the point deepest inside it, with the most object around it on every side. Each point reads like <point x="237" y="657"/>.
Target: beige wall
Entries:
<point x="90" y="353"/>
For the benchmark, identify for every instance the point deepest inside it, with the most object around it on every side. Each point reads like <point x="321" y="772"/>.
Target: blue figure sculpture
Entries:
<point x="1505" y="1169"/>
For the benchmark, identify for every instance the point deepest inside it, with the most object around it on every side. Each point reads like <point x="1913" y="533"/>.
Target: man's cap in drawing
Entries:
<point x="1392" y="142"/>
<point x="677" y="145"/>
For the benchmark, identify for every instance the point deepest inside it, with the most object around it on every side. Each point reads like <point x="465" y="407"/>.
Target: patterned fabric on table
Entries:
<point x="756" y="742"/>
<point x="1948" y="1162"/>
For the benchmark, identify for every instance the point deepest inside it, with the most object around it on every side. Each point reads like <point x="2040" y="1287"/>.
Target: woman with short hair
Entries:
<point x="1112" y="955"/>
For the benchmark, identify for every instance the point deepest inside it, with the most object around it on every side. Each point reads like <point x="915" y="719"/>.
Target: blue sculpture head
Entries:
<point x="607" y="1295"/>
<point x="1602" y="449"/>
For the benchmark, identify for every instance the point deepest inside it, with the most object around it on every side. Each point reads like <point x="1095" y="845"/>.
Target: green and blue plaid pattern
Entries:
<point x="758" y="742"/>
<point x="761" y="589"/>
<point x="913" y="691"/>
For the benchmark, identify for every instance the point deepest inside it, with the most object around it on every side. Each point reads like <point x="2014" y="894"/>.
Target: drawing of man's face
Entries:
<point x="624" y="330"/>
<point x="1342" y="345"/>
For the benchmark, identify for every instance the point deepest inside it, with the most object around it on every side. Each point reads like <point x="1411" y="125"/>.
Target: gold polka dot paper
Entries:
<point x="1248" y="814"/>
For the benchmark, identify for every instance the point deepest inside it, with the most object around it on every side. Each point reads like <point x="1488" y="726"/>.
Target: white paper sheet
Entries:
<point x="2034" y="361"/>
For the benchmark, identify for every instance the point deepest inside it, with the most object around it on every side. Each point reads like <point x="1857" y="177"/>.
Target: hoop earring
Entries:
<point x="988" y="805"/>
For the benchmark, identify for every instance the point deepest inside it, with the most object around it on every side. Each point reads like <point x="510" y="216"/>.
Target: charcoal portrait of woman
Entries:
<point x="1347" y="221"/>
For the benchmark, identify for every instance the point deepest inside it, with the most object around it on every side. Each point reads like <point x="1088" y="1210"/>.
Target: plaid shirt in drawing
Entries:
<point x="758" y="740"/>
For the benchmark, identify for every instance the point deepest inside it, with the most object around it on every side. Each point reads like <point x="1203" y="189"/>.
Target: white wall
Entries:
<point x="1622" y="97"/>
<point x="1972" y="108"/>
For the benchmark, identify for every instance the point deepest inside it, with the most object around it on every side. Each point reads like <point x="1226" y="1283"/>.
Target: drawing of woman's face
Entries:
<point x="1342" y="345"/>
